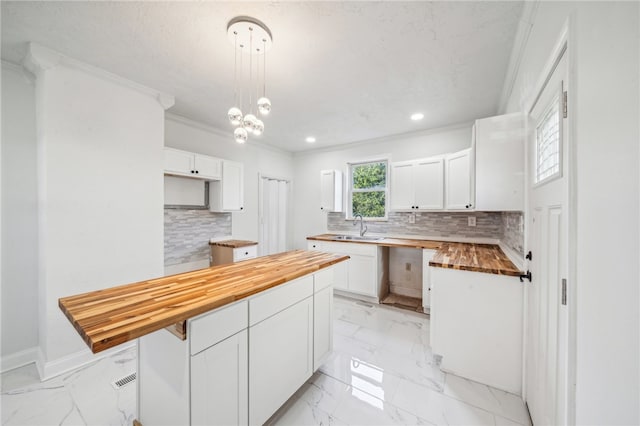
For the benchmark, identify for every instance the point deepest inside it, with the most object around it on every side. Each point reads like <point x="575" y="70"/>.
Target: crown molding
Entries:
<point x="221" y="133"/>
<point x="416" y="133"/>
<point x="39" y="59"/>
<point x="525" y="25"/>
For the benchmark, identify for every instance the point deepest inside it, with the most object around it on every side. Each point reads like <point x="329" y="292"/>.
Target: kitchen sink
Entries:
<point x="355" y="238"/>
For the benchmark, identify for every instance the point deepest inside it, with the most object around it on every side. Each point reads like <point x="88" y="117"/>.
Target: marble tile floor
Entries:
<point x="380" y="373"/>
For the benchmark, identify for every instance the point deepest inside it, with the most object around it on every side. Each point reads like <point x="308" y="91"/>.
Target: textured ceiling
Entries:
<point x="341" y="71"/>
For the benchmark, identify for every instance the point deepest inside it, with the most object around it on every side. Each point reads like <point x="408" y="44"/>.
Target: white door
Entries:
<point x="547" y="236"/>
<point x="219" y="383"/>
<point x="207" y="167"/>
<point x="274" y="211"/>
<point x="458" y="180"/>
<point x="402" y="194"/>
<point x="428" y="182"/>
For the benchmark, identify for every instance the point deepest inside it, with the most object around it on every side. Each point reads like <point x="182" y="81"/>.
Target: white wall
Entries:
<point x="309" y="220"/>
<point x="19" y="288"/>
<point x="605" y="80"/>
<point x="190" y="136"/>
<point x="100" y="192"/>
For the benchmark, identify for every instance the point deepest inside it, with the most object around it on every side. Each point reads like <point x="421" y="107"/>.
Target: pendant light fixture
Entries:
<point x="249" y="36"/>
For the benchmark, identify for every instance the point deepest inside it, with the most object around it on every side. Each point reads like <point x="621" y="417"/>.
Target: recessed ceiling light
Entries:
<point x="310" y="139"/>
<point x="417" y="116"/>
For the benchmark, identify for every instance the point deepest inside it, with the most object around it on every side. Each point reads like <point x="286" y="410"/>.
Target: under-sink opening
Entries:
<point x="403" y="280"/>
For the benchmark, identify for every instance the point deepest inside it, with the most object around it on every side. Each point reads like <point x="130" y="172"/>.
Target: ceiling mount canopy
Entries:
<point x="242" y="27"/>
<point x="252" y="37"/>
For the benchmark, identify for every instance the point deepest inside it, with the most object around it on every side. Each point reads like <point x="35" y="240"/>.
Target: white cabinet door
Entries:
<point x="280" y="358"/>
<point x="499" y="152"/>
<point x="322" y="326"/>
<point x="331" y="191"/>
<point x="207" y="167"/>
<point x="228" y="194"/>
<point x="341" y="277"/>
<point x="362" y="275"/>
<point x="402" y="189"/>
<point x="428" y="182"/>
<point x="178" y="162"/>
<point x="458" y="180"/>
<point x="219" y="383"/>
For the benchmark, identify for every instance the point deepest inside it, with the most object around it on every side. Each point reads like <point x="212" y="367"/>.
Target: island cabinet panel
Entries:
<point x="280" y="359"/>
<point x="240" y="362"/>
<point x="219" y="383"/>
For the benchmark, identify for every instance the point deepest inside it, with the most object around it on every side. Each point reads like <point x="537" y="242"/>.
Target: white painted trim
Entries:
<point x="40" y="59"/>
<point x="18" y="359"/>
<point x="218" y="132"/>
<point x="388" y="138"/>
<point x="49" y="369"/>
<point x="527" y="19"/>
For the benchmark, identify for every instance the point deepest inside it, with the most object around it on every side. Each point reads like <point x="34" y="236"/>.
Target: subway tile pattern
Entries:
<point x="504" y="226"/>
<point x="427" y="224"/>
<point x="512" y="231"/>
<point x="187" y="234"/>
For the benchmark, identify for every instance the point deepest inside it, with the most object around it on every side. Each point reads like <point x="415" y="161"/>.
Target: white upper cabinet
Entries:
<point x="417" y="185"/>
<point x="458" y="180"/>
<point x="184" y="163"/>
<point x="428" y="177"/>
<point x="228" y="194"/>
<point x="499" y="146"/>
<point x="331" y="190"/>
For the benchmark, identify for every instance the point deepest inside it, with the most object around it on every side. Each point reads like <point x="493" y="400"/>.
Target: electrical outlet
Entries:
<point x="412" y="218"/>
<point x="471" y="221"/>
<point x="407" y="266"/>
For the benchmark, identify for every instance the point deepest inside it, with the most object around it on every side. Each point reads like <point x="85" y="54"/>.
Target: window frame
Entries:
<point x="350" y="190"/>
<point x="556" y="101"/>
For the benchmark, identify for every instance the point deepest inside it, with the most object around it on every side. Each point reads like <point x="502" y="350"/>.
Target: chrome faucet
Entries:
<point x="363" y="228"/>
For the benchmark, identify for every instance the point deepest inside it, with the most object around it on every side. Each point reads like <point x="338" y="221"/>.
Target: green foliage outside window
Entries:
<point x="368" y="190"/>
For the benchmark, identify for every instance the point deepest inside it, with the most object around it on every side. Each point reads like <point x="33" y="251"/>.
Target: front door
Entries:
<point x="547" y="236"/>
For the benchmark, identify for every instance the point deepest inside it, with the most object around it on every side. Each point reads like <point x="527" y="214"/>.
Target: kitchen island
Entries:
<point x="243" y="337"/>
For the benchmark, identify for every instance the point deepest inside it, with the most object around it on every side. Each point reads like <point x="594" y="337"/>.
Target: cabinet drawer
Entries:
<point x="323" y="279"/>
<point x="315" y="245"/>
<point x="244" y="253"/>
<point x="278" y="298"/>
<point x="213" y="327"/>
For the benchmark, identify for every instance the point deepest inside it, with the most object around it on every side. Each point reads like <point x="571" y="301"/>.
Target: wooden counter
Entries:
<point x="109" y="317"/>
<point x="487" y="258"/>
<point x="233" y="243"/>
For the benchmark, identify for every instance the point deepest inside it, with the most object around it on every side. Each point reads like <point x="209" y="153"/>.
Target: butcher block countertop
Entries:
<point x="488" y="258"/>
<point x="233" y="243"/>
<point x="384" y="242"/>
<point x="109" y="317"/>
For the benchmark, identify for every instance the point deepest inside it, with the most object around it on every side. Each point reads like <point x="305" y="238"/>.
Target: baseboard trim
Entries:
<point x="49" y="369"/>
<point x="18" y="359"/>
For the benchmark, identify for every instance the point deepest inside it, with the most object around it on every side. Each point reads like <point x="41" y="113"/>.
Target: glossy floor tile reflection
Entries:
<point x="382" y="373"/>
<point x="81" y="397"/>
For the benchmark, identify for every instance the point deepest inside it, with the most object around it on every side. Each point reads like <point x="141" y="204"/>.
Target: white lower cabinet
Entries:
<point x="322" y="316"/>
<point x="362" y="274"/>
<point x="219" y="383"/>
<point x="280" y="359"/>
<point x="241" y="362"/>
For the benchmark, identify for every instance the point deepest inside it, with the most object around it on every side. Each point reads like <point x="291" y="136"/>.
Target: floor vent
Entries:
<point x="117" y="384"/>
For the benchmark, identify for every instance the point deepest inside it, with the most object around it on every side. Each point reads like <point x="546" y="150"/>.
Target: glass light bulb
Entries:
<point x="249" y="122"/>
<point x="258" y="128"/>
<point x="264" y="106"/>
<point x="235" y="115"/>
<point x="240" y="135"/>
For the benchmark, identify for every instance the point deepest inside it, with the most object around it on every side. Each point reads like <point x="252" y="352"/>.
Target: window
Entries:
<point x="548" y="144"/>
<point x="368" y="189"/>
